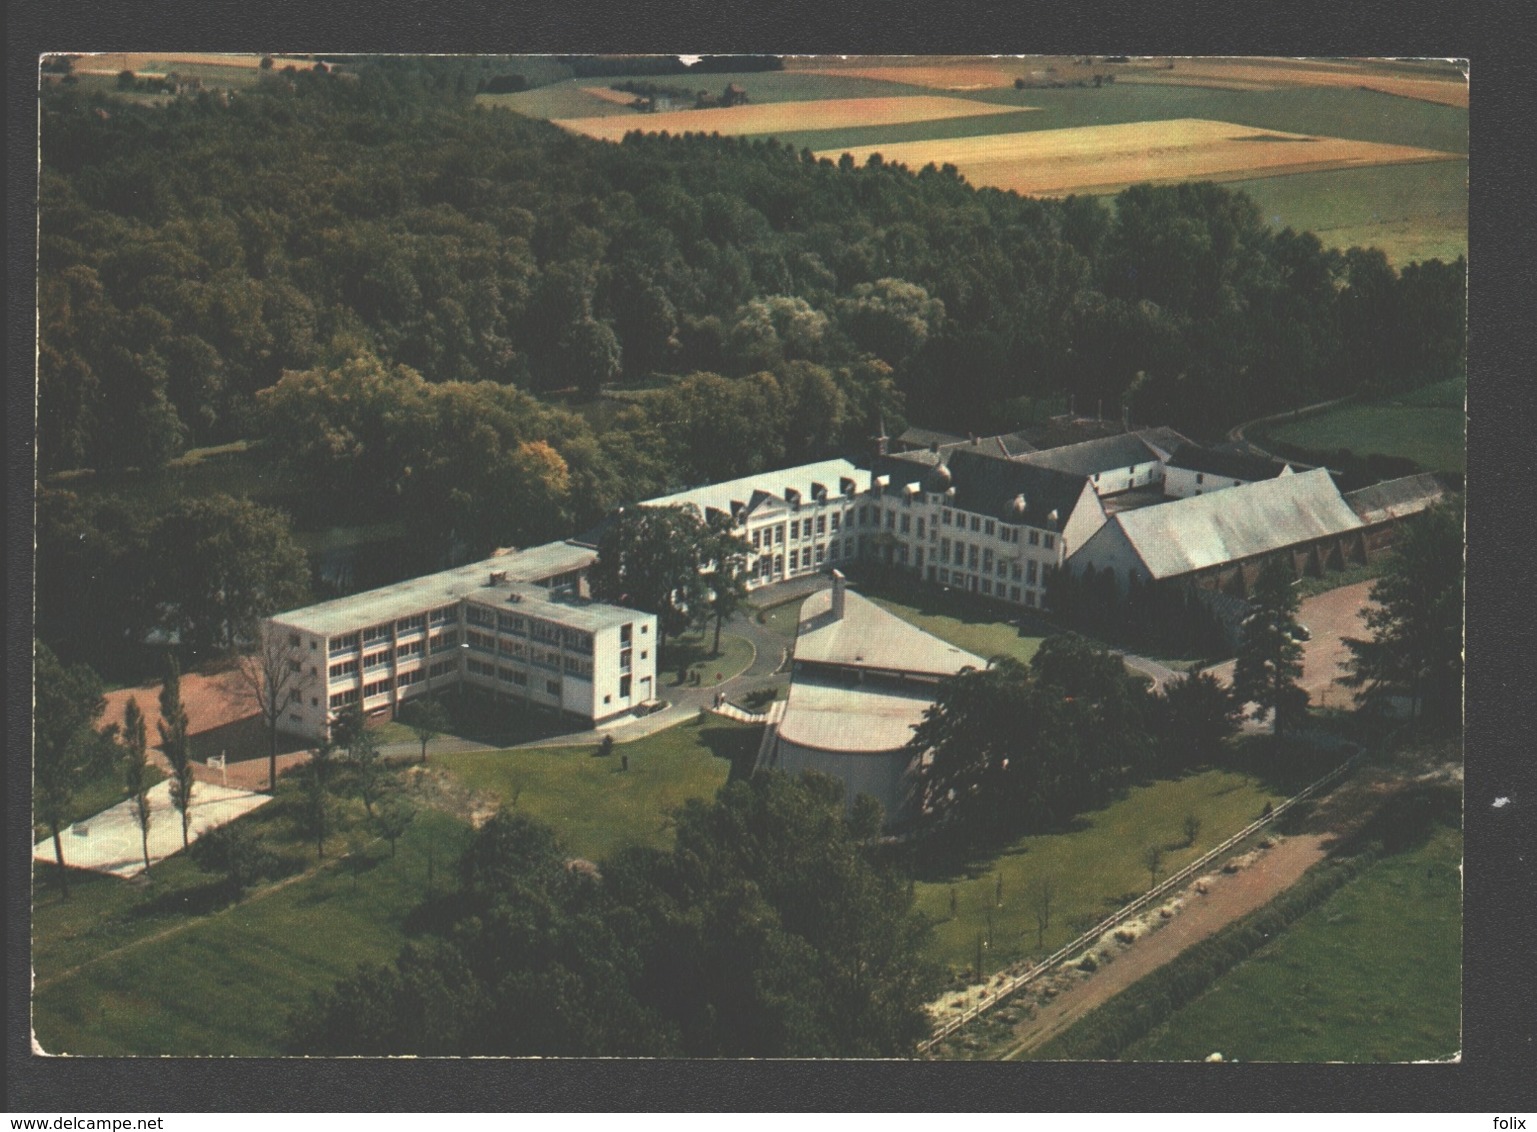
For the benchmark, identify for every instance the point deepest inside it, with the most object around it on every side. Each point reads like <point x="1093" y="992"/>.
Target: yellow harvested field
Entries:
<point x="115" y="62"/>
<point x="1258" y="73"/>
<point x="622" y="97"/>
<point x="1108" y="158"/>
<point x="981" y="74"/>
<point x="1250" y="74"/>
<point x="784" y="117"/>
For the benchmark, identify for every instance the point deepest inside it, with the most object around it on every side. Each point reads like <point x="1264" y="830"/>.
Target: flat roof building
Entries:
<point x="515" y="624"/>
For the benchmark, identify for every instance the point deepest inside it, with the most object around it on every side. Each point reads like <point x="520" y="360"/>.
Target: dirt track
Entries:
<point x="1229" y="897"/>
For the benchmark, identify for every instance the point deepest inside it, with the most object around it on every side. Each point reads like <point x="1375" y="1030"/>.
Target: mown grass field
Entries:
<point x="1093" y="869"/>
<point x="1373" y="974"/>
<point x="691" y="659"/>
<point x="1427" y="426"/>
<point x="1412" y="212"/>
<point x="126" y="970"/>
<point x="595" y="806"/>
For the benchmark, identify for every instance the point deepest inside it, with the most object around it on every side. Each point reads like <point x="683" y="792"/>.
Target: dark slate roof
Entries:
<point x="924" y="437"/>
<point x="1394" y="499"/>
<point x="986" y="484"/>
<point x="1234" y="465"/>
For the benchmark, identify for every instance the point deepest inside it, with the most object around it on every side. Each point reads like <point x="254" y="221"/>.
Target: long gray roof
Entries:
<point x="724" y="497"/>
<point x="1191" y="534"/>
<point x="1395" y="499"/>
<point x="375" y="607"/>
<point x="1108" y="453"/>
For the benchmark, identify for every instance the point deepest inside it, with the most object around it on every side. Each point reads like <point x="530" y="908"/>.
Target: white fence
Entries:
<point x="1015" y="982"/>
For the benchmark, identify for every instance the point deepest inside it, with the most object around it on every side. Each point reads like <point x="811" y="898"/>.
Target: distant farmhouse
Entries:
<point x="994" y="516"/>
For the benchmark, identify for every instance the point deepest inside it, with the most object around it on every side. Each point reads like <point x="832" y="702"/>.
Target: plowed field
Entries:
<point x="783" y="117"/>
<point x="1108" y="158"/>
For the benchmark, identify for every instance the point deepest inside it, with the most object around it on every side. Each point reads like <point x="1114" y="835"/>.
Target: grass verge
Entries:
<point x="690" y="659"/>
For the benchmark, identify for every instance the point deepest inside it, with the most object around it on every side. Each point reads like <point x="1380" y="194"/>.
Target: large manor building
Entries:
<point x="992" y="516"/>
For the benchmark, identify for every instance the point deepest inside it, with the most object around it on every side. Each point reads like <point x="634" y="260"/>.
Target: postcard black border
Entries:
<point x="1496" y="1071"/>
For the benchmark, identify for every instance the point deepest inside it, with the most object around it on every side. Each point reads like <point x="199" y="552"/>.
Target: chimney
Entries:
<point x="497" y="577"/>
<point x="973" y="440"/>
<point x="837" y="606"/>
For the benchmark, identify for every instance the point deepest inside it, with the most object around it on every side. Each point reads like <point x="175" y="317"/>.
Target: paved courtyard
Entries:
<point x="110" y="841"/>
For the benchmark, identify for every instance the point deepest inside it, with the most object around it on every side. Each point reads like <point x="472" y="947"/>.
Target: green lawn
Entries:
<point x="594" y="805"/>
<point x="159" y="980"/>
<point x="1411" y="212"/>
<point x="1373" y="974"/>
<point x="966" y="622"/>
<point x="1093" y="869"/>
<point x="1433" y="436"/>
<point x="690" y="656"/>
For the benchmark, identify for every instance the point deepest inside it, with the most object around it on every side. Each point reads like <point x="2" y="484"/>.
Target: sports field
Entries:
<point x="1108" y="158"/>
<point x="775" y="117"/>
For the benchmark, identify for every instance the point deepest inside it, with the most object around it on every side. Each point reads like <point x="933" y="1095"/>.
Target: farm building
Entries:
<point x="1383" y="506"/>
<point x="1220" y="540"/>
<point x="1196" y="470"/>
<point x="862" y="680"/>
<point x="1114" y="464"/>
<point x="515" y="624"/>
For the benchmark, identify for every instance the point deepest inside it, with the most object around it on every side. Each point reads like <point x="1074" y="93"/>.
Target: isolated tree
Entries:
<point x="652" y="558"/>
<point x="1192" y="828"/>
<point x="370" y="775"/>
<point x="316" y="797"/>
<point x="1152" y="857"/>
<point x="426" y="718"/>
<point x="66" y="749"/>
<point x="1416" y="620"/>
<point x="273" y="678"/>
<point x="1269" y="656"/>
<point x="136" y="771"/>
<point x="1041" y="894"/>
<point x="393" y="819"/>
<point x="726" y="574"/>
<point x="177" y="746"/>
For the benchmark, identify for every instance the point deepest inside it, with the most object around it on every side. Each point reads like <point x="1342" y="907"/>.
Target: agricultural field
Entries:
<point x="1372" y="974"/>
<point x="1093" y="868"/>
<point x="1109" y="158"/>
<point x="1429" y="426"/>
<point x="1431" y="82"/>
<point x="1409" y="198"/>
<point x="774" y="117"/>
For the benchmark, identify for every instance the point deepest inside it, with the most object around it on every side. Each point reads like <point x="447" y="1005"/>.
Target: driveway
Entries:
<point x="1330" y="617"/>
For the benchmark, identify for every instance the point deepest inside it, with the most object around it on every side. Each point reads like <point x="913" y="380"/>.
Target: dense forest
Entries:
<point x="428" y="310"/>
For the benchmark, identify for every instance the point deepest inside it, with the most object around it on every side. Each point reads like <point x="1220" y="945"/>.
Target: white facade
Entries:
<point x="513" y="625"/>
<point x="1182" y="483"/>
<point x="797" y="521"/>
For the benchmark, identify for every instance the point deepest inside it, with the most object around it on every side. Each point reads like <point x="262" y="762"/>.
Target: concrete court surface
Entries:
<point x="110" y="842"/>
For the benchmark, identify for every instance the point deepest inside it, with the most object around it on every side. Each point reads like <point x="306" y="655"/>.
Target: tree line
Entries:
<point x="192" y="254"/>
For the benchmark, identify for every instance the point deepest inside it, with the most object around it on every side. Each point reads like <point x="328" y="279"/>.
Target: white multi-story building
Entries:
<point x="1194" y="470"/>
<point x="797" y="521"/>
<point x="977" y="522"/>
<point x="514" y="625"/>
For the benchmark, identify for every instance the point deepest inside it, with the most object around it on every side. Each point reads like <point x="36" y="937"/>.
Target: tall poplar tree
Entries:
<point x="176" y="744"/>
<point x="1269" y="656"/>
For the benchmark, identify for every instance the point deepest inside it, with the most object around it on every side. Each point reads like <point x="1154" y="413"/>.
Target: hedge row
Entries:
<point x="1102" y="1035"/>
